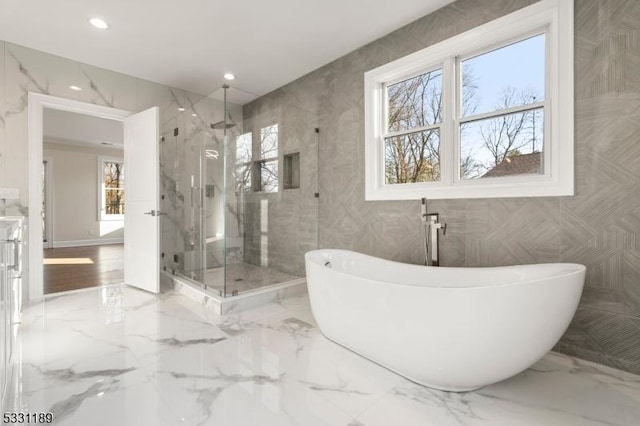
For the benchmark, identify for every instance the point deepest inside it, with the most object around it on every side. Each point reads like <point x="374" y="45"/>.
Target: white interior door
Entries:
<point x="141" y="220"/>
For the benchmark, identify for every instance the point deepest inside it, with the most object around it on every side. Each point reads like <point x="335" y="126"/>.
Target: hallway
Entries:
<point x="73" y="268"/>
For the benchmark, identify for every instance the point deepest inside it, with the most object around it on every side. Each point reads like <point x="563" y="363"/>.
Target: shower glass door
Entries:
<point x="181" y="195"/>
<point x="272" y="203"/>
<point x="239" y="192"/>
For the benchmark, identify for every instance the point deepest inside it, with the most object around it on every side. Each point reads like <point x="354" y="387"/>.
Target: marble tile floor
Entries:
<point x="118" y="356"/>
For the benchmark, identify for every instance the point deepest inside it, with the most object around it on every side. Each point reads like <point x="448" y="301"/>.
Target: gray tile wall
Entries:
<point x="599" y="227"/>
<point x="292" y="213"/>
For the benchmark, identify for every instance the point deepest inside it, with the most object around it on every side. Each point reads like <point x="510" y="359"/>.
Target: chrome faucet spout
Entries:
<point x="423" y="210"/>
<point x="431" y="223"/>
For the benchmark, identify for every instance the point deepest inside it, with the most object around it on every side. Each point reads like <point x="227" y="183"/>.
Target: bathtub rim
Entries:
<point x="579" y="269"/>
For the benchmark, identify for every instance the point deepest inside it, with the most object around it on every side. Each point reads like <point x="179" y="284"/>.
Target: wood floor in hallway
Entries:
<point x="73" y="268"/>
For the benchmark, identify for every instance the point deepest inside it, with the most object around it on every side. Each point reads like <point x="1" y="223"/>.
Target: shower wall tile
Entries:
<point x="292" y="214"/>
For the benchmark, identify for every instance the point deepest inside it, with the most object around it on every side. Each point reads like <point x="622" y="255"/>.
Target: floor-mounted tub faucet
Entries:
<point x="431" y="224"/>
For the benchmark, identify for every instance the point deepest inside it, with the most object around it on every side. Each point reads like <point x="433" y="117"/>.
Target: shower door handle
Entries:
<point x="154" y="213"/>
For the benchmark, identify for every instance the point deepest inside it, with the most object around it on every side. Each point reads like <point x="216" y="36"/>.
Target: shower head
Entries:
<point x="222" y="125"/>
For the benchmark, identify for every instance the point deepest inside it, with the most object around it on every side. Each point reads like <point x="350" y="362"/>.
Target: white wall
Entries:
<point x="75" y="196"/>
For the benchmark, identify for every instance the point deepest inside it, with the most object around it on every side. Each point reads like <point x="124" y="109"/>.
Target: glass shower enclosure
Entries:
<point x="239" y="192"/>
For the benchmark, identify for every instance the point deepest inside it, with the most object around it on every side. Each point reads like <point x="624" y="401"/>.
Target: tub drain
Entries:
<point x="327" y="264"/>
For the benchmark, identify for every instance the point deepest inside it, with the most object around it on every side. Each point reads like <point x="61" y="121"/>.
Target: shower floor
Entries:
<point x="243" y="277"/>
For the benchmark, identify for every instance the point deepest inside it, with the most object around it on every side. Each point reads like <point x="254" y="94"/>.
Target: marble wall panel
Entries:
<point x="107" y="88"/>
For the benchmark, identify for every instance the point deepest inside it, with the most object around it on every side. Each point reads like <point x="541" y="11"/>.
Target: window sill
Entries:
<point x="530" y="187"/>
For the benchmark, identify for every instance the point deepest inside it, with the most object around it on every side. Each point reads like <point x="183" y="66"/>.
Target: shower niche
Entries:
<point x="291" y="171"/>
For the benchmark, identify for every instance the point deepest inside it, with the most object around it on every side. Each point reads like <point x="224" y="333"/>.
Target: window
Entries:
<point x="488" y="113"/>
<point x="244" y="151"/>
<point x="259" y="173"/>
<point x="501" y="119"/>
<point x="267" y="166"/>
<point x="414" y="121"/>
<point x="111" y="189"/>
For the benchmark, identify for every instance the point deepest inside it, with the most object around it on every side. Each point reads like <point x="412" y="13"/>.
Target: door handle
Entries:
<point x="154" y="213"/>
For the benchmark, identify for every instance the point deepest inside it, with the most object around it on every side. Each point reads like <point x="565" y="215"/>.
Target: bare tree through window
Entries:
<point x="414" y="104"/>
<point x="113" y="173"/>
<point x="501" y="126"/>
<point x="244" y="150"/>
<point x="257" y="166"/>
<point x="267" y="166"/>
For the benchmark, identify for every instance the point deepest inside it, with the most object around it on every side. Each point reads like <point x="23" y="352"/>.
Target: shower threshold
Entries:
<point x="213" y="302"/>
<point x="243" y="277"/>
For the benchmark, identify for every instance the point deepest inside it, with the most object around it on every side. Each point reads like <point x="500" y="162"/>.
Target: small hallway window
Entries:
<point x="112" y="179"/>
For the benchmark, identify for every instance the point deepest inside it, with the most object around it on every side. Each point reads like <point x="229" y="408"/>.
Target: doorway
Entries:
<point x="140" y="144"/>
<point x="83" y="201"/>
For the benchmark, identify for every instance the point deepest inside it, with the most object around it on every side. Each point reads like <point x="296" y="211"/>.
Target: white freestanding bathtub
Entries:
<point x="455" y="329"/>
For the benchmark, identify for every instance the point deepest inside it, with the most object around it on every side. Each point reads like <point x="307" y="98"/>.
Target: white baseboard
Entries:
<point x="82" y="243"/>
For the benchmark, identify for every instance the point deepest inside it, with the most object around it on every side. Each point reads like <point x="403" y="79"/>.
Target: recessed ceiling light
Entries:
<point x="180" y="109"/>
<point x="229" y="76"/>
<point x="76" y="88"/>
<point x="194" y="115"/>
<point x="99" y="23"/>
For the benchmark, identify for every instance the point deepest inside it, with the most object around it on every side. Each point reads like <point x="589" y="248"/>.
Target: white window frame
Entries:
<point x="259" y="161"/>
<point x="102" y="208"/>
<point x="555" y="19"/>
<point x="242" y="164"/>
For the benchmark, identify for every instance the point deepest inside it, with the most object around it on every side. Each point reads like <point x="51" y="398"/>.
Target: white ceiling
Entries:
<point x="70" y="128"/>
<point x="190" y="44"/>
